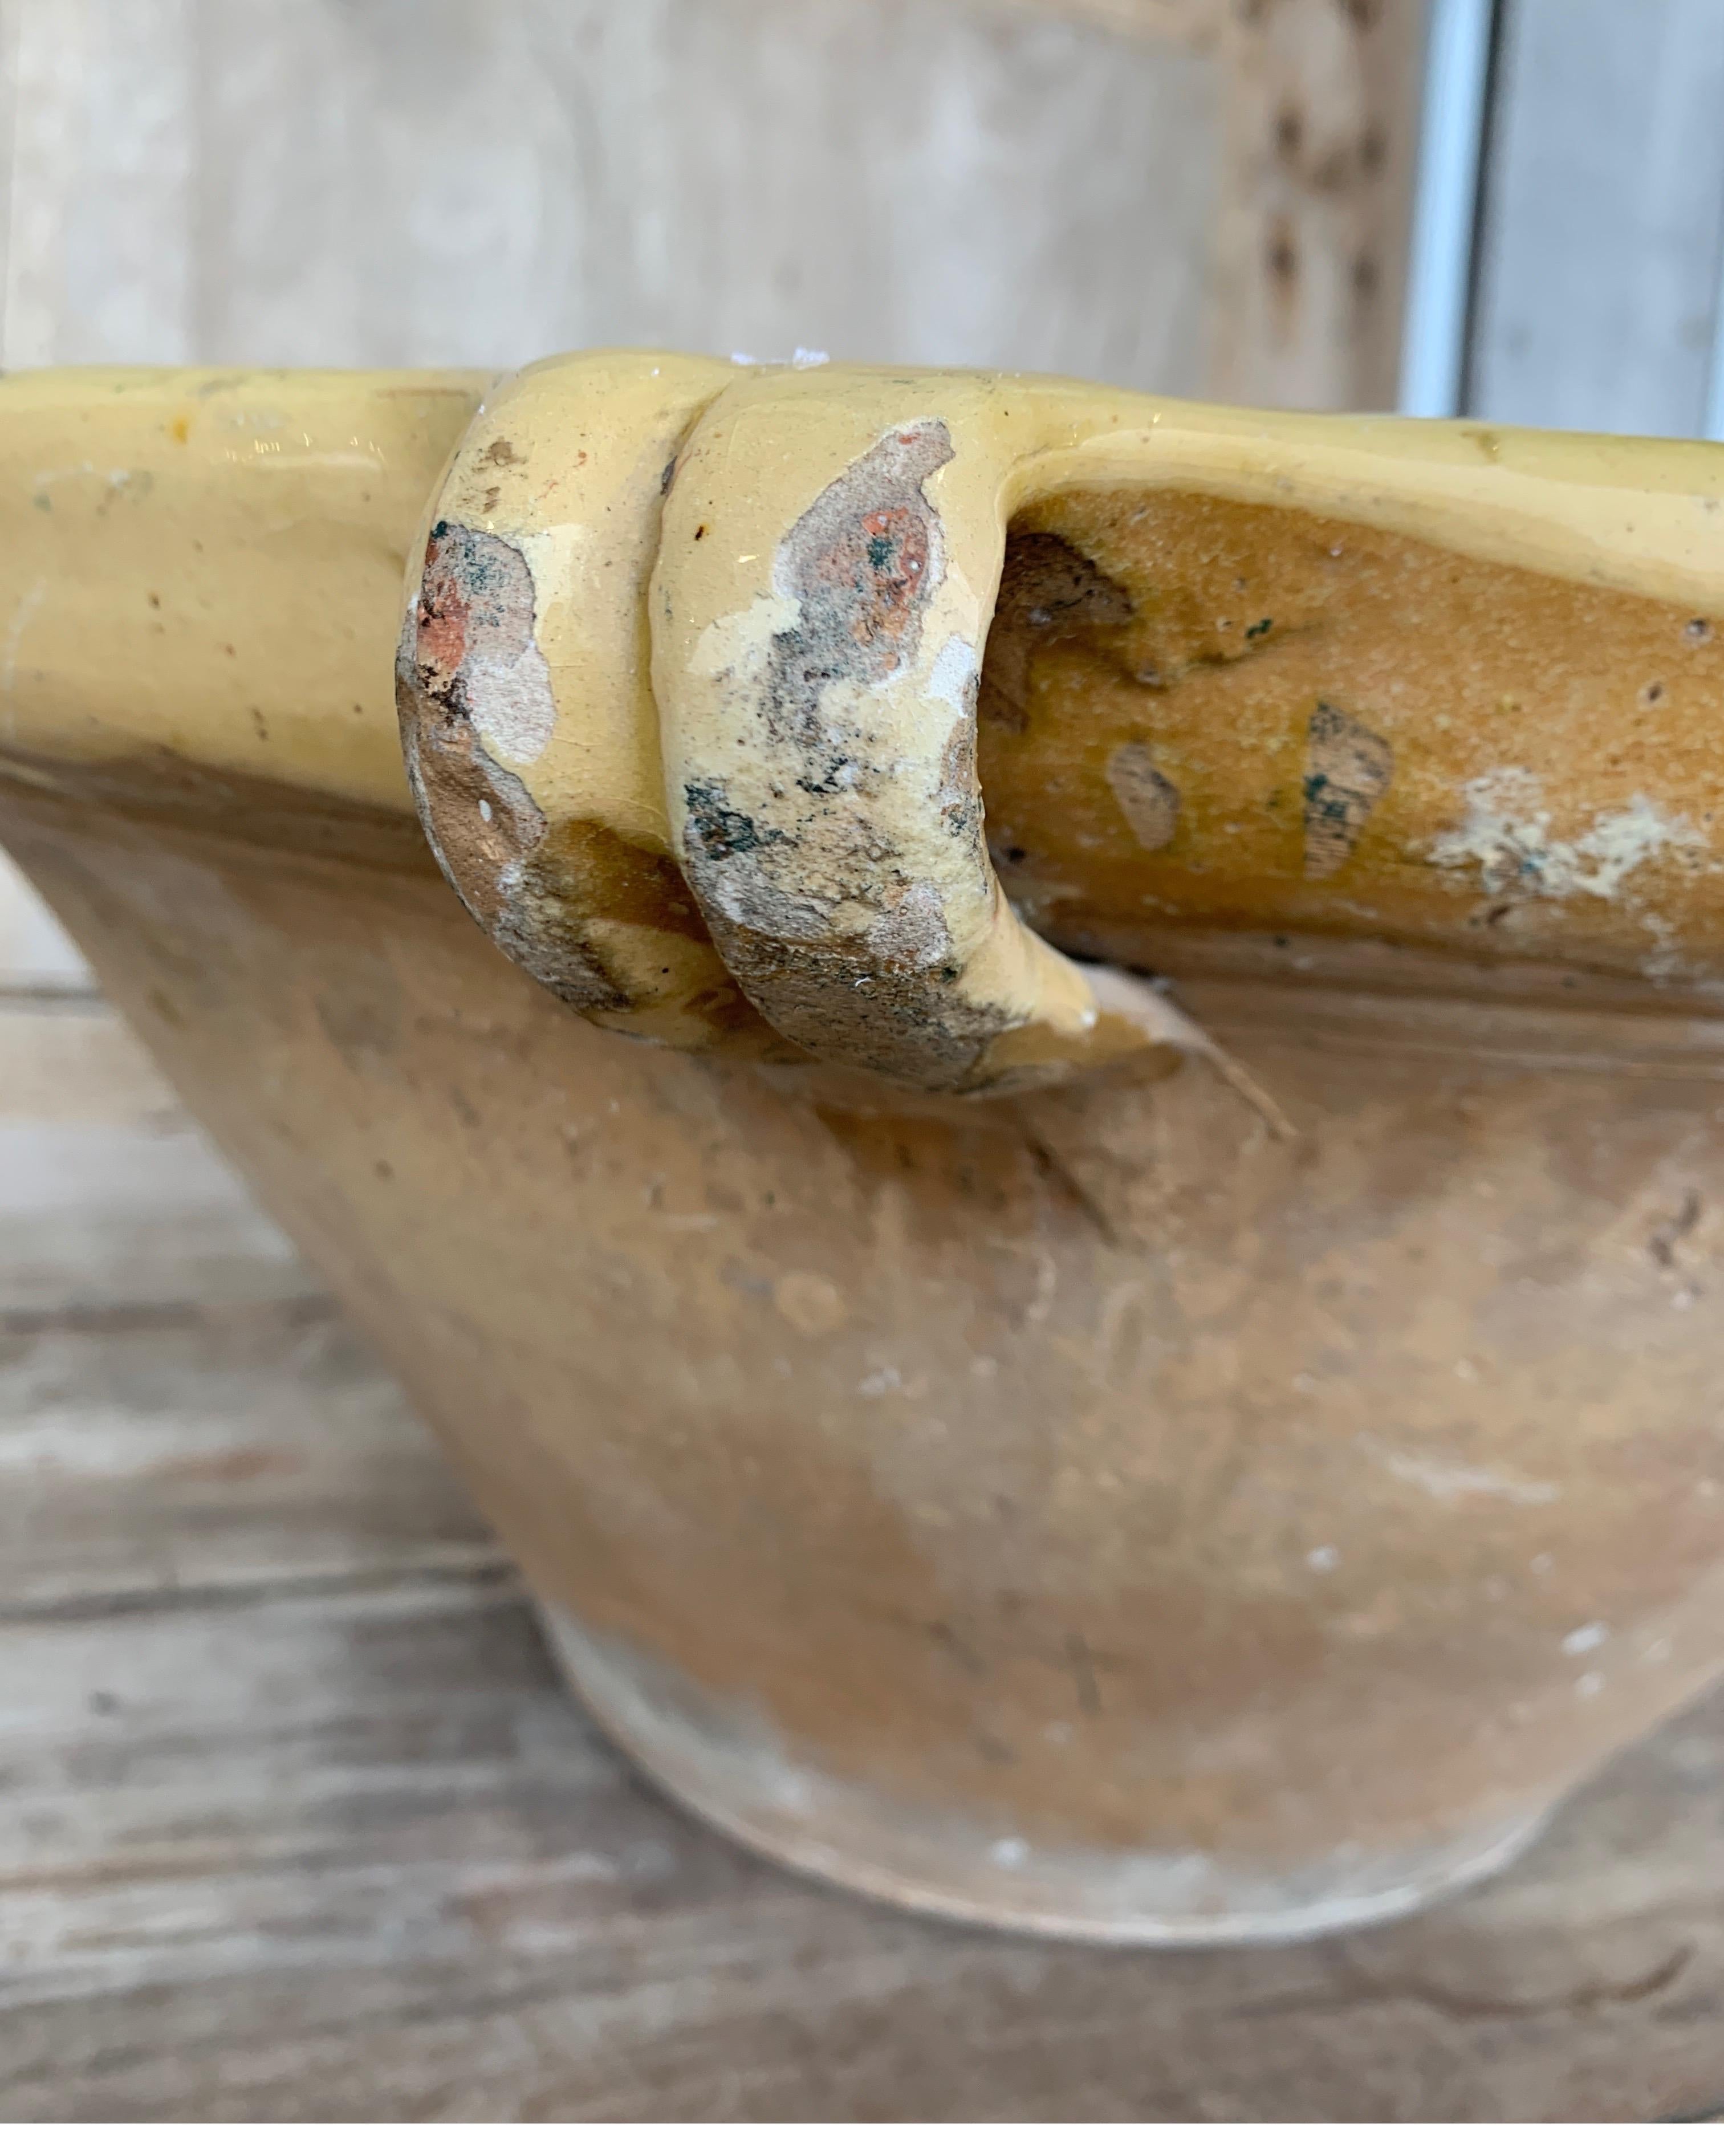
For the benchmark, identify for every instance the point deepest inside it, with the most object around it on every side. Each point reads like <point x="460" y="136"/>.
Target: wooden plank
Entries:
<point x="351" y="1855"/>
<point x="1604" y="216"/>
<point x="66" y="1058"/>
<point x="1175" y="194"/>
<point x="110" y="1199"/>
<point x="181" y="1414"/>
<point x="100" y="1216"/>
<point x="197" y="1453"/>
<point x="1309" y="253"/>
<point x="35" y="952"/>
<point x="296" y="1821"/>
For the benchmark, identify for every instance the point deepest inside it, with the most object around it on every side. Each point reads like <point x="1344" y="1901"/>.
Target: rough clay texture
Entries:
<point x="552" y="894"/>
<point x="1296" y="742"/>
<point x="1090" y="1470"/>
<point x="1148" y="798"/>
<point x="1347" y="769"/>
<point x="815" y="904"/>
<point x="1049" y="592"/>
<point x="471" y="634"/>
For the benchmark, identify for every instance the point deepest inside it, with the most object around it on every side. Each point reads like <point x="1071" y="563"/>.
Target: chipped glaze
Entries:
<point x="1230" y="1491"/>
<point x="823" y="563"/>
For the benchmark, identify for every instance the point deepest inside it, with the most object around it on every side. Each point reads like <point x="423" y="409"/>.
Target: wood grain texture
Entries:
<point x="1315" y="203"/>
<point x="350" y="1854"/>
<point x="167" y="1452"/>
<point x="1102" y="188"/>
<point x="88" y="1209"/>
<point x="297" y="1823"/>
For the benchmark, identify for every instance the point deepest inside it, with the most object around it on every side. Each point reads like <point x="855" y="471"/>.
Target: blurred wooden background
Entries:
<point x="294" y="1818"/>
<point x="1177" y="194"/>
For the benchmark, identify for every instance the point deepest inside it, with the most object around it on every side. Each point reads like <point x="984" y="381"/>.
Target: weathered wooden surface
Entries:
<point x="297" y="1823"/>
<point x="1167" y="193"/>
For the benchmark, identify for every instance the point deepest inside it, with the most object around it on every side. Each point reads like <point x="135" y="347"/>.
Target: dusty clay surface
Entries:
<point x="1096" y="1468"/>
<point x="819" y="905"/>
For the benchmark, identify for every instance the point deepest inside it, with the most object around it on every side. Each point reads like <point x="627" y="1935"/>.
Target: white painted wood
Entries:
<point x="350" y="1855"/>
<point x="180" y="1408"/>
<point x="1604" y="216"/>
<point x="109" y="1196"/>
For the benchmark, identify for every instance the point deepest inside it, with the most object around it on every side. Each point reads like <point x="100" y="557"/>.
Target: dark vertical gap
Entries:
<point x="1490" y="133"/>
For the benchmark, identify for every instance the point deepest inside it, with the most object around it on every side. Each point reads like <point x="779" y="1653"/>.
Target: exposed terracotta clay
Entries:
<point x="1069" y="1199"/>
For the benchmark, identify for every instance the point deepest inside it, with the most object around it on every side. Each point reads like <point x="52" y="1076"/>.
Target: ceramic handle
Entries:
<point x="689" y="696"/>
<point x="813" y="575"/>
<point x="824" y="581"/>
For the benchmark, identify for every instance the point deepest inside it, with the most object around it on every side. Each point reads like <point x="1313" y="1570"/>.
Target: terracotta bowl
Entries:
<point x="1139" y="1364"/>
